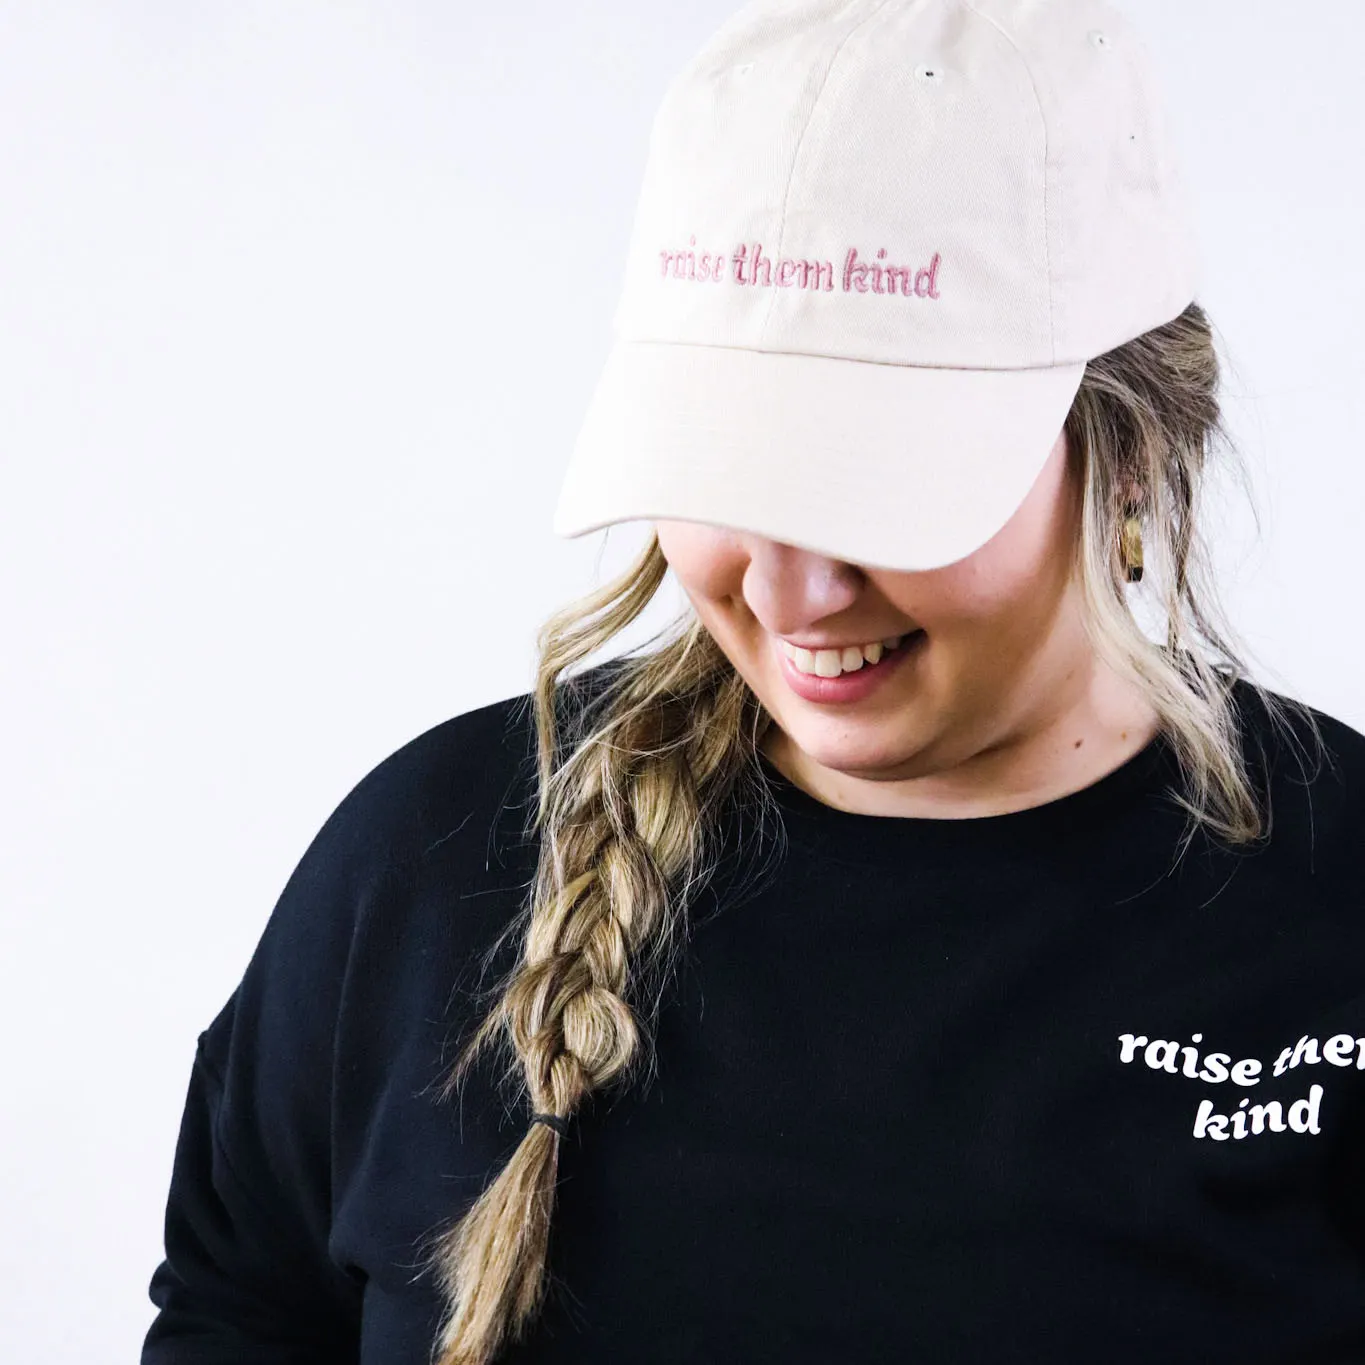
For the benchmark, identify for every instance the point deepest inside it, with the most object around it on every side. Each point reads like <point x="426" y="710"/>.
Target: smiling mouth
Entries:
<point x="879" y="650"/>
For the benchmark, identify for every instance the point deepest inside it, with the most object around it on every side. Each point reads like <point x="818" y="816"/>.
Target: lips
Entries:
<point x="854" y="686"/>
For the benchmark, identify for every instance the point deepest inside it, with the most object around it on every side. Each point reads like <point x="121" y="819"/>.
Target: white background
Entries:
<point x="300" y="307"/>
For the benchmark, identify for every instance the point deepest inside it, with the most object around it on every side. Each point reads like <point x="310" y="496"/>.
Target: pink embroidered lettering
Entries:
<point x="756" y="260"/>
<point x="929" y="279"/>
<point x="685" y="265"/>
<point x="860" y="283"/>
<point x="749" y="266"/>
<point x="877" y="275"/>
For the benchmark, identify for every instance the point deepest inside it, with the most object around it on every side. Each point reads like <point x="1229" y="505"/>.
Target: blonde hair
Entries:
<point x="632" y="786"/>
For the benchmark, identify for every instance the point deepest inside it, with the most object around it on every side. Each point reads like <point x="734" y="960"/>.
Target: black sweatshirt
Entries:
<point x="1018" y="1088"/>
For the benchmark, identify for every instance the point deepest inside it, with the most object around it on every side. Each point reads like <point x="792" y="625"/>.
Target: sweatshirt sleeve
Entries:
<point x="247" y="1277"/>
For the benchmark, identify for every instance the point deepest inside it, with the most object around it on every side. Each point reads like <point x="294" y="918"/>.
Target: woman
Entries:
<point x="986" y="971"/>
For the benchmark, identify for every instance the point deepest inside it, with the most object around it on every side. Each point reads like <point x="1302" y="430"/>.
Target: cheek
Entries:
<point x="1015" y="580"/>
<point x="978" y="592"/>
<point x="702" y="559"/>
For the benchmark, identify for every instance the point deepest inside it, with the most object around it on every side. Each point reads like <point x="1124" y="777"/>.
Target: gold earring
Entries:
<point x="1130" y="545"/>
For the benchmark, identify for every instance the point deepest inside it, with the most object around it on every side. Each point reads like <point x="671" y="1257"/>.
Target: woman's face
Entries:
<point x="1005" y="667"/>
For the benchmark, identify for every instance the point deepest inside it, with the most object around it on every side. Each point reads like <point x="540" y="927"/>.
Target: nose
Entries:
<point x="788" y="588"/>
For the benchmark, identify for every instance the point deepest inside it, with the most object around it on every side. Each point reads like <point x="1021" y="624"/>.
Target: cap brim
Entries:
<point x="890" y="466"/>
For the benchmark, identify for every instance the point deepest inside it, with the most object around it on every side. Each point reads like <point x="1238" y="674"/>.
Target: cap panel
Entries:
<point x="919" y="93"/>
<point x="720" y="154"/>
<point x="812" y="195"/>
<point x="1121" y="249"/>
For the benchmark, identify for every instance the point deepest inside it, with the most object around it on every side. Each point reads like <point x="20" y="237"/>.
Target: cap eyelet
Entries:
<point x="1099" y="38"/>
<point x="930" y="74"/>
<point x="743" y="70"/>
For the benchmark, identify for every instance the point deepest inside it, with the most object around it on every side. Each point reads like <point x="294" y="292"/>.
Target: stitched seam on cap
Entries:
<point x="800" y="141"/>
<point x="1047" y="212"/>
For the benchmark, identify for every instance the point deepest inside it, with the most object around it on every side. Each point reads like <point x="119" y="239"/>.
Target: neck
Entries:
<point x="1065" y="733"/>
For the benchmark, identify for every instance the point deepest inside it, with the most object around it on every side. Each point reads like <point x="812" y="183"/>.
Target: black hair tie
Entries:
<point x="560" y="1125"/>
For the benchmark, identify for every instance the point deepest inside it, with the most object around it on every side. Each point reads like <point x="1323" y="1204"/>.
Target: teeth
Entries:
<point x="829" y="663"/>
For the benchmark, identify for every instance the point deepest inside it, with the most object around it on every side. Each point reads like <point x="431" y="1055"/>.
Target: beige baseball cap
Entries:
<point x="876" y="243"/>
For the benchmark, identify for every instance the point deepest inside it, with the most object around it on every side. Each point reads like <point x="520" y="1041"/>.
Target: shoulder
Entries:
<point x="1315" y="764"/>
<point x="448" y="811"/>
<point x="470" y="772"/>
<point x="458" y="764"/>
<point x="1284" y="727"/>
<point x="407" y="882"/>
